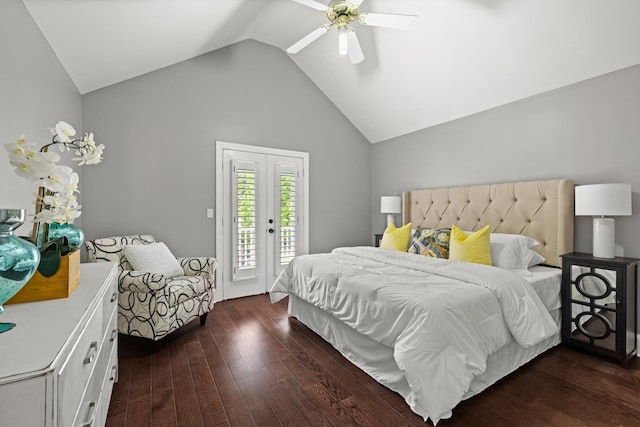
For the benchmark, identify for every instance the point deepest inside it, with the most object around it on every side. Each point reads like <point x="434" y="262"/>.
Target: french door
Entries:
<point x="261" y="207"/>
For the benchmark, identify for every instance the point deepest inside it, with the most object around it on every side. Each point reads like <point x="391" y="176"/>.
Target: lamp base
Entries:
<point x="391" y="219"/>
<point x="604" y="237"/>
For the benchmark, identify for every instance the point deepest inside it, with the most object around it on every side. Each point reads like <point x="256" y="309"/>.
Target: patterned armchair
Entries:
<point x="151" y="305"/>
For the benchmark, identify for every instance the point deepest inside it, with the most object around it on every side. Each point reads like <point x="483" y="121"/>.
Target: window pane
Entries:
<point x="287" y="217"/>
<point x="246" y="220"/>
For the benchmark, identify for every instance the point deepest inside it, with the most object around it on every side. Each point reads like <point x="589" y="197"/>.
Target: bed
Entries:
<point x="433" y="330"/>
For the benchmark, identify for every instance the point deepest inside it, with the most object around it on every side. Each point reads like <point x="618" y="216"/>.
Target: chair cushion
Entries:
<point x="183" y="288"/>
<point x="153" y="258"/>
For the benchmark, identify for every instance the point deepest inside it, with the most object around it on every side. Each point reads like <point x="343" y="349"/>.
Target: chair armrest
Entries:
<point x="200" y="266"/>
<point x="140" y="281"/>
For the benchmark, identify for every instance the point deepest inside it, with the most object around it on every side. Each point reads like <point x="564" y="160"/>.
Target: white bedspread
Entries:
<point x="442" y="318"/>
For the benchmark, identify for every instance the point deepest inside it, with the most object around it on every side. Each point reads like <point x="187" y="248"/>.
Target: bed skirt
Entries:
<point x="377" y="360"/>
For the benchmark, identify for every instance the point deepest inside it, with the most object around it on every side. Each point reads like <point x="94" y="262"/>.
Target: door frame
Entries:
<point x="219" y="209"/>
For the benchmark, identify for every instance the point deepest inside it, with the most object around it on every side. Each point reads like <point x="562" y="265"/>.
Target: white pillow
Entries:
<point x="153" y="258"/>
<point x="512" y="251"/>
<point x="536" y="258"/>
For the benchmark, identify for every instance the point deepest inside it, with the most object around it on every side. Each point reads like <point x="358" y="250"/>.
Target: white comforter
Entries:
<point x="442" y="318"/>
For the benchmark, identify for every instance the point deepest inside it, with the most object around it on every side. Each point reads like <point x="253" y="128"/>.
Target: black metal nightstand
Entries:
<point x="599" y="304"/>
<point x="378" y="237"/>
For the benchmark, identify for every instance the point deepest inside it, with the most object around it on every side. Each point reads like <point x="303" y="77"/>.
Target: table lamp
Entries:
<point x="391" y="205"/>
<point x="600" y="200"/>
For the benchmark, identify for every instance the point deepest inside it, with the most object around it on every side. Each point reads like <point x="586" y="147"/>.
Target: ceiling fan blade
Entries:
<point x="389" y="20"/>
<point x="314" y="4"/>
<point x="356" y="3"/>
<point x="353" y="48"/>
<point x="308" y="39"/>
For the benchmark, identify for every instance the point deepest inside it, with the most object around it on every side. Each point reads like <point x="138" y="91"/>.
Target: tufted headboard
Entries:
<point x="539" y="209"/>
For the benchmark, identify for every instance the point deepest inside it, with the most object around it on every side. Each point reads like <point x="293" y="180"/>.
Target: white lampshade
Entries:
<point x="390" y="205"/>
<point x="603" y="200"/>
<point x="600" y="200"/>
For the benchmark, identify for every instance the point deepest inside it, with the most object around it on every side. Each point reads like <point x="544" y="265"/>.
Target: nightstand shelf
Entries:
<point x="599" y="305"/>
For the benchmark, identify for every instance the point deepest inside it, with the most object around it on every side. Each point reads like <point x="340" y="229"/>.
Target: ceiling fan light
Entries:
<point x="342" y="41"/>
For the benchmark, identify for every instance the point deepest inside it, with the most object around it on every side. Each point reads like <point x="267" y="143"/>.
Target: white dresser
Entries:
<point x="59" y="364"/>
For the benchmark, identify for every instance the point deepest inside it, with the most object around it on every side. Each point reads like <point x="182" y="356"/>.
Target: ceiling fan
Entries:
<point x="341" y="15"/>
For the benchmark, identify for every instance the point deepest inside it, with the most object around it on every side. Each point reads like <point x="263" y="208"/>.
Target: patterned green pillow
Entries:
<point x="431" y="242"/>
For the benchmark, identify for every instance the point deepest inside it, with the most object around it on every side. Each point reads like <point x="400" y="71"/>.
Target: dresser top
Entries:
<point x="44" y="328"/>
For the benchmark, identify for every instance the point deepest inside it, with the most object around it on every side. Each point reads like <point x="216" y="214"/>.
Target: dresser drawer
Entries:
<point x="110" y="315"/>
<point x="109" y="303"/>
<point x="111" y="336"/>
<point x="90" y="410"/>
<point x="107" y="386"/>
<point x="74" y="375"/>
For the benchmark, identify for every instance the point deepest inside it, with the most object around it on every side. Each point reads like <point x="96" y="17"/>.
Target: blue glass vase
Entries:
<point x="19" y="258"/>
<point x="70" y="231"/>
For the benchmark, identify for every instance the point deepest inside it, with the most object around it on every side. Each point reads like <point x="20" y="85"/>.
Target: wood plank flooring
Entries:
<point x="251" y="365"/>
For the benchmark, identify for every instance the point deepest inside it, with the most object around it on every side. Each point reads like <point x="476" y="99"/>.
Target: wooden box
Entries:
<point x="60" y="285"/>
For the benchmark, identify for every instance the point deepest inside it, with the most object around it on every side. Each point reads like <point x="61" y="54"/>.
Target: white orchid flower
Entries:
<point x="64" y="132"/>
<point x="88" y="139"/>
<point x="89" y="153"/>
<point x="24" y="169"/>
<point x="41" y="170"/>
<point x="92" y="157"/>
<point x="15" y="149"/>
<point x="70" y="215"/>
<point x="50" y="157"/>
<point x="56" y="201"/>
<point x="30" y="150"/>
<point x="73" y="184"/>
<point x="45" y="215"/>
<point x="72" y="201"/>
<point x="58" y="180"/>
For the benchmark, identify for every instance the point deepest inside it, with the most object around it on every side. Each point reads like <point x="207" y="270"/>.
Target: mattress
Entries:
<point x="377" y="359"/>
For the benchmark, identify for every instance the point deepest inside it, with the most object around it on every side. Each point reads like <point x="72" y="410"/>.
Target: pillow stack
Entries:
<point x="507" y="251"/>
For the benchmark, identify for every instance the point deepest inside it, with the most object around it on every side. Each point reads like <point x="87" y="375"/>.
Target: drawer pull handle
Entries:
<point x="113" y="373"/>
<point x="92" y="412"/>
<point x="114" y="334"/>
<point x="114" y="297"/>
<point x="91" y="354"/>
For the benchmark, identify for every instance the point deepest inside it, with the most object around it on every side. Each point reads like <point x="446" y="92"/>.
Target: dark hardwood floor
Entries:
<point x="252" y="365"/>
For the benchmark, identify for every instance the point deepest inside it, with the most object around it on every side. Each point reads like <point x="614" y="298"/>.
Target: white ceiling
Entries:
<point x="465" y="56"/>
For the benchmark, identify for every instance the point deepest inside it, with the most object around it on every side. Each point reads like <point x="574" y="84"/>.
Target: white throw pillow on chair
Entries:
<point x="153" y="258"/>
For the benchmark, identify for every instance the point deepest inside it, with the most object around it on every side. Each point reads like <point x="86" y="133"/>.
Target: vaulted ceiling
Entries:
<point x="464" y="56"/>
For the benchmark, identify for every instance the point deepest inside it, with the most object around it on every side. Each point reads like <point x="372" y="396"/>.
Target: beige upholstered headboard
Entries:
<point x="539" y="209"/>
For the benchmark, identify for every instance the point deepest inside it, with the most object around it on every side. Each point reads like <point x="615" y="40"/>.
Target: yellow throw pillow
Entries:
<point x="470" y="248"/>
<point x="396" y="238"/>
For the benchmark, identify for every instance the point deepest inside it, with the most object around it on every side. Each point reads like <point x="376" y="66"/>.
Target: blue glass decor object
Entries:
<point x="74" y="235"/>
<point x="19" y="258"/>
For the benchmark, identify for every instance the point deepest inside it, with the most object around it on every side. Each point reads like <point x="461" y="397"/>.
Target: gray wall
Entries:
<point x="588" y="132"/>
<point x="35" y="93"/>
<point x="160" y="130"/>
